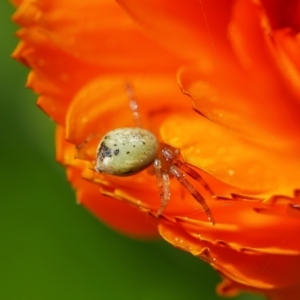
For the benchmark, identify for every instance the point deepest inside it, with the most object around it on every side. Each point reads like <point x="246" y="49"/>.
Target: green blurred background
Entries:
<point x="52" y="248"/>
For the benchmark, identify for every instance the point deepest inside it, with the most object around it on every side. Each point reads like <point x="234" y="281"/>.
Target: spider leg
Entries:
<point x="133" y="104"/>
<point x="86" y="141"/>
<point x="180" y="176"/>
<point x="172" y="157"/>
<point x="188" y="170"/>
<point x="163" y="183"/>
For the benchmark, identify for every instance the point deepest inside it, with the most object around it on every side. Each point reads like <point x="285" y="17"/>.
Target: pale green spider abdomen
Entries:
<point x="126" y="151"/>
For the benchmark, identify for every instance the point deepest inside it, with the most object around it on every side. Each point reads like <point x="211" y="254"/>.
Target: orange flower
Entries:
<point x="238" y="62"/>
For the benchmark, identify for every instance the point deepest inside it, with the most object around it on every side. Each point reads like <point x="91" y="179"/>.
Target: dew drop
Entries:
<point x="84" y="120"/>
<point x="231" y="172"/>
<point x="191" y="148"/>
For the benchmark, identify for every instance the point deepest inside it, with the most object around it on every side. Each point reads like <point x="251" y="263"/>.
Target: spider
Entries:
<point x="127" y="151"/>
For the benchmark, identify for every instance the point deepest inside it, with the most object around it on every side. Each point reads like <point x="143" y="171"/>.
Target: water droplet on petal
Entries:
<point x="231" y="172"/>
<point x="84" y="120"/>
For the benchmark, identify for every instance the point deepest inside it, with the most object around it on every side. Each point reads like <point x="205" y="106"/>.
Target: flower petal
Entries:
<point x="194" y="29"/>
<point x="103" y="104"/>
<point x="86" y="31"/>
<point x="282" y="13"/>
<point x="243" y="164"/>
<point x="261" y="115"/>
<point x="55" y="74"/>
<point x="243" y="252"/>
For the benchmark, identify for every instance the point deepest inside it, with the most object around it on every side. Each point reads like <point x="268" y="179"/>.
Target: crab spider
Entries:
<point x="127" y="151"/>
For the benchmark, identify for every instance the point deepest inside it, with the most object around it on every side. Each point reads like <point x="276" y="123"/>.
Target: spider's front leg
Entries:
<point x="178" y="169"/>
<point x="180" y="176"/>
<point x="163" y="183"/>
<point x="172" y="157"/>
<point x="86" y="141"/>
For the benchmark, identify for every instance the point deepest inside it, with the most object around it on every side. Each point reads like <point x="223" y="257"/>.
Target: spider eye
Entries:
<point x="126" y="151"/>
